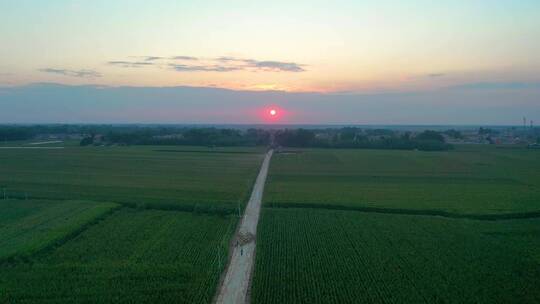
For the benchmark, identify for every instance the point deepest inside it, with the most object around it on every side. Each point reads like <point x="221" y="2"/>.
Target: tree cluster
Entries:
<point x="356" y="138"/>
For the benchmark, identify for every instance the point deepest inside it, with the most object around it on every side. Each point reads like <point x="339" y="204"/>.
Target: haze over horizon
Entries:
<point x="351" y="62"/>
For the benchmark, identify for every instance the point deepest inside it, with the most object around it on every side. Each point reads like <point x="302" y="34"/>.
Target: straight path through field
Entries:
<point x="234" y="287"/>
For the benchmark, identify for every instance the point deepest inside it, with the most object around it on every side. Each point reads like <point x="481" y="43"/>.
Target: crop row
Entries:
<point x="130" y="175"/>
<point x="31" y="226"/>
<point x="473" y="181"/>
<point x="132" y="256"/>
<point x="327" y="256"/>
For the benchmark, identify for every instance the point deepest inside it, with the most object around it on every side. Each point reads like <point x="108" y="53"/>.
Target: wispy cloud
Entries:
<point x="435" y="75"/>
<point x="276" y="66"/>
<point x="152" y="58"/>
<point x="202" y="68"/>
<point x="130" y="64"/>
<point x="497" y="86"/>
<point x="72" y="73"/>
<point x="264" y="65"/>
<point x="227" y="59"/>
<point x="217" y="64"/>
<point x="184" y="58"/>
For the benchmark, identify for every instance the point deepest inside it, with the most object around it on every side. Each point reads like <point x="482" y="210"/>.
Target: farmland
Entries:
<point x="186" y="178"/>
<point x="131" y="256"/>
<point x="119" y="224"/>
<point x="28" y="226"/>
<point x="468" y="180"/>
<point x="374" y="226"/>
<point x="153" y="224"/>
<point x="334" y="256"/>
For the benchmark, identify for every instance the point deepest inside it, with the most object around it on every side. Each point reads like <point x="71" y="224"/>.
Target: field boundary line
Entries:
<point x="206" y="208"/>
<point x="62" y="240"/>
<point x="205" y="151"/>
<point x="401" y="211"/>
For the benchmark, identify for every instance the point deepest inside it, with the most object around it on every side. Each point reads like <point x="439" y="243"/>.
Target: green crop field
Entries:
<point x="185" y="177"/>
<point x="63" y="245"/>
<point x="28" y="226"/>
<point x="382" y="226"/>
<point x="109" y="224"/>
<point x="334" y="256"/>
<point x="132" y="256"/>
<point x="468" y="180"/>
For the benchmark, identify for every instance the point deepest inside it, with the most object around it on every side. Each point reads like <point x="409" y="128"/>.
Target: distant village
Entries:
<point x="501" y="136"/>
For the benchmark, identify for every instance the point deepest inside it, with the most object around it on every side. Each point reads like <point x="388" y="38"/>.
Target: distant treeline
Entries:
<point x="26" y="132"/>
<point x="190" y="136"/>
<point x="357" y="138"/>
<point x="350" y="137"/>
<point x="327" y="138"/>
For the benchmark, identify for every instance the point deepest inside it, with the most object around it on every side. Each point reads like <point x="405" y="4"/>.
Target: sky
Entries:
<point x="354" y="62"/>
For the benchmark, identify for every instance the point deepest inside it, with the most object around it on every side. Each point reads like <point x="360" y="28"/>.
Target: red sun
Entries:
<point x="272" y="113"/>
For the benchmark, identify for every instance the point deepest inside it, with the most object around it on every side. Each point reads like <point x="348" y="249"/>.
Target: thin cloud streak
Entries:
<point x="227" y="59"/>
<point x="152" y="58"/>
<point x="276" y="66"/>
<point x="265" y="65"/>
<point x="184" y="58"/>
<point x="497" y="86"/>
<point x="217" y="64"/>
<point x="130" y="64"/>
<point x="72" y="73"/>
<point x="202" y="68"/>
<point x="435" y="75"/>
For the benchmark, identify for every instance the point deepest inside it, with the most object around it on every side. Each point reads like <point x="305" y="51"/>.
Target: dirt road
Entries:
<point x="234" y="287"/>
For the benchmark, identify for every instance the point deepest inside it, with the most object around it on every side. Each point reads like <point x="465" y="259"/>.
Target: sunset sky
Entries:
<point x="338" y="47"/>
